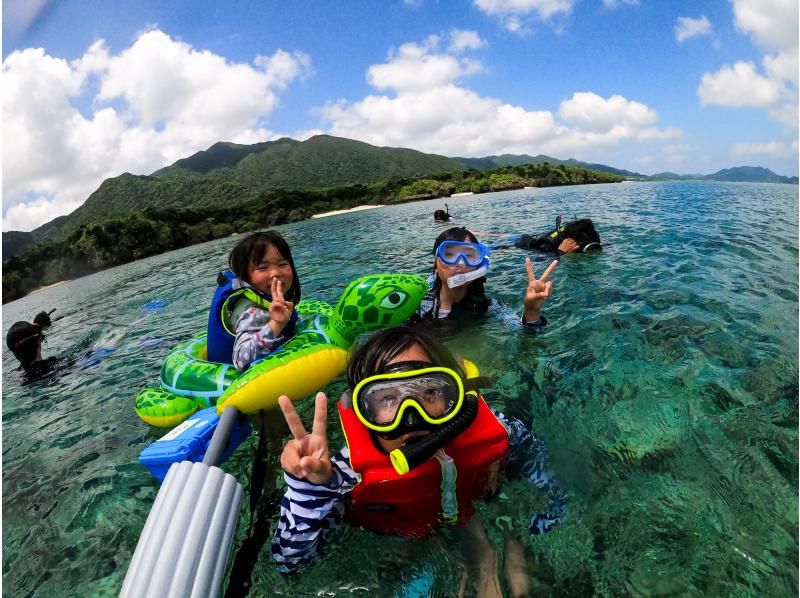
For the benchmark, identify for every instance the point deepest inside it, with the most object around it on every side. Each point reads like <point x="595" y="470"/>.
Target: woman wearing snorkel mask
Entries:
<point x="422" y="445"/>
<point x="456" y="286"/>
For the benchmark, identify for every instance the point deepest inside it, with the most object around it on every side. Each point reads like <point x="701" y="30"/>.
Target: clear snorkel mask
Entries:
<point x="471" y="254"/>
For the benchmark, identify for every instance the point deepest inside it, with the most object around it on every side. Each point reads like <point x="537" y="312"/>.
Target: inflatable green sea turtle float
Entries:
<point x="313" y="357"/>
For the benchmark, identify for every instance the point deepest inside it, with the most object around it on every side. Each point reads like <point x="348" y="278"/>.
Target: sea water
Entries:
<point x="665" y="386"/>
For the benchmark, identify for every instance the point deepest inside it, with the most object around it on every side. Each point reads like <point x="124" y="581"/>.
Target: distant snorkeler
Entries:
<point x="24" y="340"/>
<point x="443" y="215"/>
<point x="578" y="236"/>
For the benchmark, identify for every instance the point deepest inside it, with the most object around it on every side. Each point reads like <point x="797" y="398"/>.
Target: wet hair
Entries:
<point x="441" y="216"/>
<point x="249" y="251"/>
<point x="374" y="356"/>
<point x="23" y="340"/>
<point x="476" y="295"/>
<point x="582" y="231"/>
<point x="42" y="319"/>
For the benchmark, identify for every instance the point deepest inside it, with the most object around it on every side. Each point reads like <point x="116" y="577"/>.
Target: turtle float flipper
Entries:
<point x="163" y="409"/>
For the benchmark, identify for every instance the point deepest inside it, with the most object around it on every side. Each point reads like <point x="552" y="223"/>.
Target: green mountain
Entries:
<point x="16" y="242"/>
<point x="220" y="155"/>
<point x="325" y="161"/>
<point x="749" y="174"/>
<point x="231" y="174"/>
<point x="522" y="159"/>
<point x="744" y="174"/>
<point x="220" y="207"/>
<point x="321" y="161"/>
<point x="672" y="176"/>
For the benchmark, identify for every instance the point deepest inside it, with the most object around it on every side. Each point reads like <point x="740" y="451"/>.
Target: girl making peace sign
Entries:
<point x="456" y="285"/>
<point x="422" y="445"/>
<point x="252" y="312"/>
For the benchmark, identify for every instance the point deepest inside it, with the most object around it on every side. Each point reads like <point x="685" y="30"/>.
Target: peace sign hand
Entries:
<point x="538" y="290"/>
<point x="306" y="455"/>
<point x="280" y="310"/>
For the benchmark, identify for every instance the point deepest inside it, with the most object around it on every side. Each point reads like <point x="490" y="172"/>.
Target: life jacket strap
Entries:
<point x="232" y="305"/>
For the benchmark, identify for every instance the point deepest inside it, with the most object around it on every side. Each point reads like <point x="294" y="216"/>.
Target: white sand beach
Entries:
<point x="336" y="212"/>
<point x="50" y="286"/>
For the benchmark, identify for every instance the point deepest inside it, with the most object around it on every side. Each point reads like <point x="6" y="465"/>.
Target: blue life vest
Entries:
<point x="221" y="334"/>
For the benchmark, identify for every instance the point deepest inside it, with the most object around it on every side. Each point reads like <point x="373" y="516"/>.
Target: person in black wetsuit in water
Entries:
<point x="24" y="340"/>
<point x="442" y="215"/>
<point x="573" y="237"/>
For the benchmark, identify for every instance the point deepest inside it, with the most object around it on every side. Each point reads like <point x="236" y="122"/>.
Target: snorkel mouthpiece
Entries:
<point x="415" y="453"/>
<point x="458" y="280"/>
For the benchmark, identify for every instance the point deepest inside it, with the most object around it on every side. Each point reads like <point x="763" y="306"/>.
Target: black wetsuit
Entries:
<point x="542" y="242"/>
<point x="42" y="369"/>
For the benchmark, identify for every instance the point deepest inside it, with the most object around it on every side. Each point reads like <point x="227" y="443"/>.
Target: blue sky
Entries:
<point x="93" y="89"/>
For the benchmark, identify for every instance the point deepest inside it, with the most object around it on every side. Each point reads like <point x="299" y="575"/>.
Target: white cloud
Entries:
<point x="514" y="24"/>
<point x="414" y="67"/>
<point x="771" y="148"/>
<point x="150" y="104"/>
<point x="739" y="85"/>
<point x="461" y="40"/>
<point x="511" y="12"/>
<point x="445" y="118"/>
<point x="544" y="8"/>
<point x="284" y="67"/>
<point x="782" y="66"/>
<point x="594" y="113"/>
<point x="772" y="23"/>
<point x="612" y="4"/>
<point x="687" y="27"/>
<point x="786" y="112"/>
<point x="25" y="216"/>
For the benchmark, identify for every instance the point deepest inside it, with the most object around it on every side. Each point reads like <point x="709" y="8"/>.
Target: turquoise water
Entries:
<point x="666" y="387"/>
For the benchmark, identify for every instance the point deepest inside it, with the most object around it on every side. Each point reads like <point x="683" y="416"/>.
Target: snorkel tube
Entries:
<point x="415" y="453"/>
<point x="458" y="280"/>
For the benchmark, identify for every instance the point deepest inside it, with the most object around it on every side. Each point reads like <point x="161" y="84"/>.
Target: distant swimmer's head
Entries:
<point x="24" y="340"/>
<point x="42" y="319"/>
<point x="583" y="233"/>
<point x="441" y="216"/>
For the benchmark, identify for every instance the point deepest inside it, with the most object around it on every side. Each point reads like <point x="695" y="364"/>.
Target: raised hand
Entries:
<point x="568" y="245"/>
<point x="306" y="456"/>
<point x="538" y="290"/>
<point x="280" y="310"/>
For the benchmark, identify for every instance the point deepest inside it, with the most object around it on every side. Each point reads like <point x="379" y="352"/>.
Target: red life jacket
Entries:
<point x="438" y="492"/>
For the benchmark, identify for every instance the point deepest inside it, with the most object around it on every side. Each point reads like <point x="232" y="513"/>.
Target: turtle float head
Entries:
<point x="377" y="301"/>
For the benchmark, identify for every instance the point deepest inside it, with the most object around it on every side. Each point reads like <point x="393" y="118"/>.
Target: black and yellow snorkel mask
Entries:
<point x="415" y="396"/>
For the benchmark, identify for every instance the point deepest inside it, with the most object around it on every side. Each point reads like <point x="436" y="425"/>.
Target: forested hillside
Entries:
<point x="138" y="233"/>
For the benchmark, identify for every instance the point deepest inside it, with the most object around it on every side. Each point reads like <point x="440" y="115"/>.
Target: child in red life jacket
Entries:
<point x="252" y="312"/>
<point x="422" y="446"/>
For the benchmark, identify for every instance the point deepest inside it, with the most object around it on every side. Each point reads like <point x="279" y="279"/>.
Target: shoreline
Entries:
<point x="49" y="286"/>
<point x="337" y="212"/>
